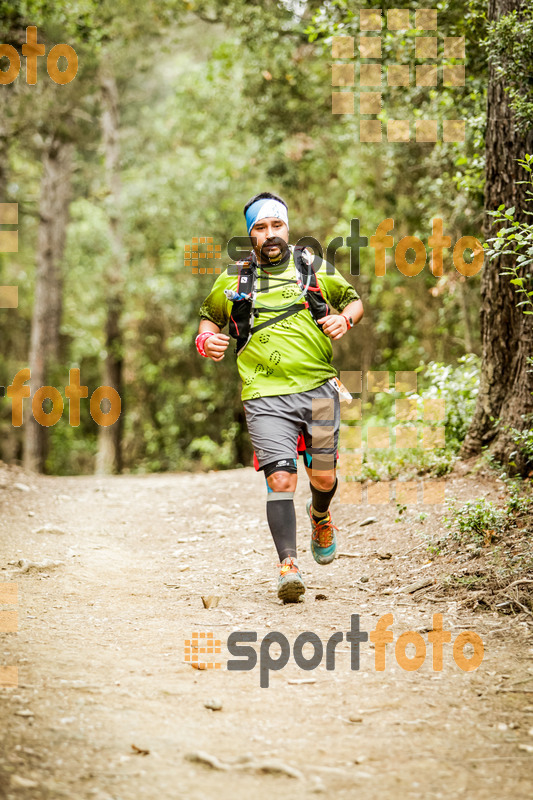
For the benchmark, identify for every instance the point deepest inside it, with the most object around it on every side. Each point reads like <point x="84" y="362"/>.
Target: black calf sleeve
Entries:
<point x="321" y="500"/>
<point x="281" y="518"/>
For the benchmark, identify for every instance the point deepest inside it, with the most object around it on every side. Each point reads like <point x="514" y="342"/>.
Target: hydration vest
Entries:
<point x="244" y="312"/>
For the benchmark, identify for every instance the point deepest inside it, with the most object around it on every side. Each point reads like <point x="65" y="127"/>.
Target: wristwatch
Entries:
<point x="349" y="321"/>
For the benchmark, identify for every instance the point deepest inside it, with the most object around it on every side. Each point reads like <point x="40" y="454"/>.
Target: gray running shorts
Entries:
<point x="274" y="424"/>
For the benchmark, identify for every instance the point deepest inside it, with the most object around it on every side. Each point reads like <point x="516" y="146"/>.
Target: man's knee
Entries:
<point x="324" y="483"/>
<point x="282" y="481"/>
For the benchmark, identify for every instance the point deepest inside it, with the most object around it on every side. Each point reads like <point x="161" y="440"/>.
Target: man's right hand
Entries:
<point x="215" y="346"/>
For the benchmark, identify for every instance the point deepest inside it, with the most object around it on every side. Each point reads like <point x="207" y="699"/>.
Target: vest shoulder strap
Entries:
<point x="318" y="306"/>
<point x="241" y="325"/>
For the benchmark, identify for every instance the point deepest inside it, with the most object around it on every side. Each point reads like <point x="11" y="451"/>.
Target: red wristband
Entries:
<point x="200" y="341"/>
<point x="347" y="321"/>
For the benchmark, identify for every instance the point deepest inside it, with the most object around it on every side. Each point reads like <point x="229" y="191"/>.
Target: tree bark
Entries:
<point x="109" y="456"/>
<point x="506" y="385"/>
<point x="47" y="308"/>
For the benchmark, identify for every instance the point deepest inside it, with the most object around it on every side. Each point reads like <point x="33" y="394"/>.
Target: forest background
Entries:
<point x="178" y="114"/>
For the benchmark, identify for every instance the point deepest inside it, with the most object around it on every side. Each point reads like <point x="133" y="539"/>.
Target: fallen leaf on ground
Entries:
<point x="211" y="601"/>
<point x="139" y="751"/>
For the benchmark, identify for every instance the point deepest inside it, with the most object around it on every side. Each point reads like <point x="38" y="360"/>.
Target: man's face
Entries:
<point x="272" y="237"/>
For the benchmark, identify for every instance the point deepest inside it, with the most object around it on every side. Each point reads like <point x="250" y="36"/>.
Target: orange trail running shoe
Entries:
<point x="323" y="539"/>
<point x="290" y="581"/>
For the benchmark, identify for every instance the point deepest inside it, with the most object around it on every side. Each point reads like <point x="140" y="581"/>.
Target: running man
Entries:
<point x="277" y="307"/>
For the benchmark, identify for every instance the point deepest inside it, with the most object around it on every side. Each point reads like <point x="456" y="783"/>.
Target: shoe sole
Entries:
<point x="318" y="558"/>
<point x="292" y="589"/>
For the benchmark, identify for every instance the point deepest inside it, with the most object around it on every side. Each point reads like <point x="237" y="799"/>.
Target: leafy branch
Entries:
<point x="510" y="48"/>
<point x="516" y="239"/>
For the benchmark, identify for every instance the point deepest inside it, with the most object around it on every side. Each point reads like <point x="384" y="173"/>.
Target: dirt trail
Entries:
<point x="100" y="652"/>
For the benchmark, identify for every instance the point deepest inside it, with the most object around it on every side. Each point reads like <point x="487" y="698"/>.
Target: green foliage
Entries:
<point x="218" y="101"/>
<point x="523" y="440"/>
<point x="390" y="463"/>
<point x="518" y="502"/>
<point x="476" y="520"/>
<point x="459" y="164"/>
<point x="458" y="386"/>
<point x="400" y="509"/>
<point x="516" y="239"/>
<point x="481" y="520"/>
<point x="510" y="48"/>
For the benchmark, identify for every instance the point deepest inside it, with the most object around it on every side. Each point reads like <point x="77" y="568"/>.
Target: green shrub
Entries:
<point x="523" y="440"/>
<point x="475" y="520"/>
<point x="458" y="386"/>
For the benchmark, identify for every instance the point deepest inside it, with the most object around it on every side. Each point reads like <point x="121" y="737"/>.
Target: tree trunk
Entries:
<point x="506" y="385"/>
<point x="109" y="456"/>
<point x="47" y="308"/>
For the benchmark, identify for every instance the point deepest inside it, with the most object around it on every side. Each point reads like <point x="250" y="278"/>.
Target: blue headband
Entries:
<point x="263" y="208"/>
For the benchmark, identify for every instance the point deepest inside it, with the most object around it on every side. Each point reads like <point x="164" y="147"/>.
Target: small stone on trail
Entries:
<point x="214" y="508"/>
<point x="206" y="758"/>
<point x="367" y="521"/>
<point x="420" y="584"/>
<point x="25" y="712"/>
<point x="349" y="555"/>
<point x="49" y="528"/>
<point x="317" y="785"/>
<point x="26" y="565"/>
<point x="269" y="766"/>
<point x="22" y="487"/>
<point x="18" y="782"/>
<point x="214" y="704"/>
<point x="364" y="579"/>
<point x="279" y="768"/>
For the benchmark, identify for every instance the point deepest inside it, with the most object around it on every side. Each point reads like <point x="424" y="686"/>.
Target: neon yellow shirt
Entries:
<point x="289" y="356"/>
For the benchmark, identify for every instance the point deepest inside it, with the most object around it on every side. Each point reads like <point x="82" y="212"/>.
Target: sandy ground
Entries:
<point x="100" y="652"/>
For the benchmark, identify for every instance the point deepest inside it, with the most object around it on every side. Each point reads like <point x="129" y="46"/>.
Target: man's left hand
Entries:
<point x="334" y="325"/>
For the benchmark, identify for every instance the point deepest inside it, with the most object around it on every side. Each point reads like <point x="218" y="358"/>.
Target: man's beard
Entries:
<point x="283" y="249"/>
